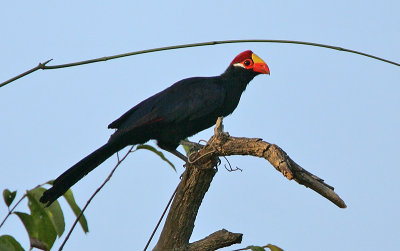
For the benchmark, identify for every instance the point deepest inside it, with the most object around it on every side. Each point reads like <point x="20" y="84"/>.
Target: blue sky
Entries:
<point x="334" y="113"/>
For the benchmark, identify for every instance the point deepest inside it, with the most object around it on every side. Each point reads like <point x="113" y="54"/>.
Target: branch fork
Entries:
<point x="197" y="179"/>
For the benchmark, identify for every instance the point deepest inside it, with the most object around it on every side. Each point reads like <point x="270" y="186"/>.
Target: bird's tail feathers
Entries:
<point x="78" y="171"/>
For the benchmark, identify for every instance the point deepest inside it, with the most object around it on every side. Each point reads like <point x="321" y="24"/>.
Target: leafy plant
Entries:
<point x="43" y="224"/>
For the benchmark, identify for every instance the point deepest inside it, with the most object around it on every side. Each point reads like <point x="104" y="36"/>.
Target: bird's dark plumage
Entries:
<point x="180" y="111"/>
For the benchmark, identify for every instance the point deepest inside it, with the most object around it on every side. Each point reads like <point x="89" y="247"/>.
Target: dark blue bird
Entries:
<point x="180" y="111"/>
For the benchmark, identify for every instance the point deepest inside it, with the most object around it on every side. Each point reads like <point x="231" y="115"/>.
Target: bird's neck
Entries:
<point x="237" y="78"/>
<point x="235" y="81"/>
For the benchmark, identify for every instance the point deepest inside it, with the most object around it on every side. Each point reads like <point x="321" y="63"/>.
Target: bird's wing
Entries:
<point x="188" y="99"/>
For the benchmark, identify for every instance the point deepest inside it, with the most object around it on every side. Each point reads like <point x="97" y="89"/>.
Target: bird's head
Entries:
<point x="250" y="61"/>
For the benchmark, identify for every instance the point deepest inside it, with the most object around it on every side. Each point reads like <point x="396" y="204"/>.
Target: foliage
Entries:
<point x="43" y="224"/>
<point x="259" y="248"/>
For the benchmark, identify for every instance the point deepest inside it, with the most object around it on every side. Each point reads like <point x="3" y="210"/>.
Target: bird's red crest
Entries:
<point x="242" y="56"/>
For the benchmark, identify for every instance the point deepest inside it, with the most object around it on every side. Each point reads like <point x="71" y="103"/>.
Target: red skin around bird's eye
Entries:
<point x="248" y="63"/>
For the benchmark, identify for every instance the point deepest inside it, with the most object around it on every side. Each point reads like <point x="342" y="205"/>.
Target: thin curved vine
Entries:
<point x="44" y="65"/>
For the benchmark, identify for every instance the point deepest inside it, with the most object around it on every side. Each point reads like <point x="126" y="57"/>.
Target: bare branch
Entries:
<point x="197" y="179"/>
<point x="106" y="58"/>
<point x="224" y="145"/>
<point x="217" y="240"/>
<point x="39" y="66"/>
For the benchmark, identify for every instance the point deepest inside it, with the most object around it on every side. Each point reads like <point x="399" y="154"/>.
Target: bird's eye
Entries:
<point x="247" y="62"/>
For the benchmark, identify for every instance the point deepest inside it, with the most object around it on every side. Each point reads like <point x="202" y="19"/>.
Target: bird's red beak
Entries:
<point x="259" y="65"/>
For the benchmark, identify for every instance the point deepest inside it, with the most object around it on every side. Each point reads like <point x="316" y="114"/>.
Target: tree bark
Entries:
<point x="190" y="193"/>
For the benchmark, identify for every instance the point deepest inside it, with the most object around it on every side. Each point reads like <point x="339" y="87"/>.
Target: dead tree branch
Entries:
<point x="217" y="240"/>
<point x="225" y="145"/>
<point x="197" y="179"/>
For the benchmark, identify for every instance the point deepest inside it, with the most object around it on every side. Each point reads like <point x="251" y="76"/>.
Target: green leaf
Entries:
<point x="41" y="230"/>
<point x="186" y="148"/>
<point x="160" y="154"/>
<point x="8" y="243"/>
<point x="9" y="196"/>
<point x="75" y="208"/>
<point x="256" y="248"/>
<point x="69" y="197"/>
<point x="54" y="211"/>
<point x="46" y="231"/>
<point x="27" y="221"/>
<point x="274" y="248"/>
<point x="31" y="226"/>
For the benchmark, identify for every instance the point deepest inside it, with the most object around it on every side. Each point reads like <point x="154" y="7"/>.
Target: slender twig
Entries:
<point x="93" y="195"/>
<point x="159" y="221"/>
<point x="39" y="66"/>
<point x="45" y="67"/>
<point x="12" y="210"/>
<point x="231" y="169"/>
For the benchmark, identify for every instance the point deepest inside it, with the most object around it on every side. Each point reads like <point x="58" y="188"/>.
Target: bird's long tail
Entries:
<point x="78" y="171"/>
